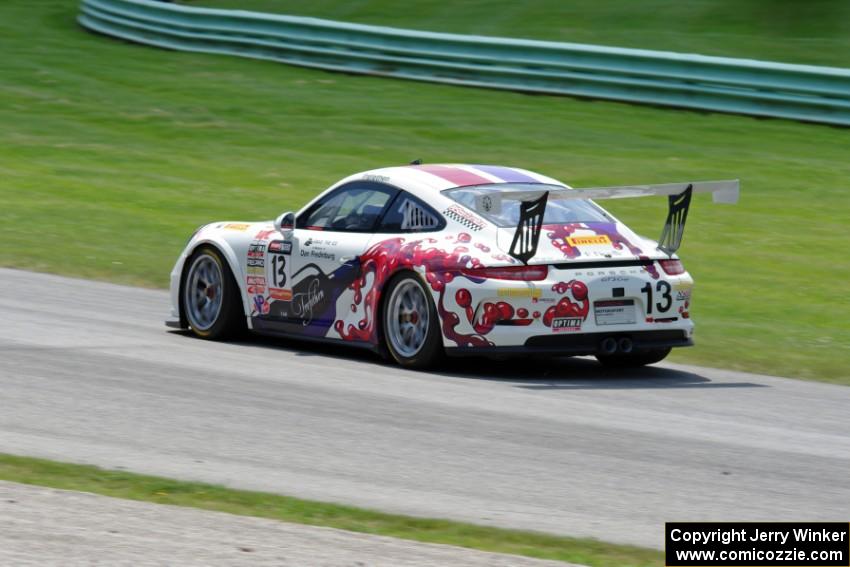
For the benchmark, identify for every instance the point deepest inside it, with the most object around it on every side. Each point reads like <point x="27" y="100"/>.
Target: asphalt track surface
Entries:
<point x="88" y="373"/>
<point x="43" y="526"/>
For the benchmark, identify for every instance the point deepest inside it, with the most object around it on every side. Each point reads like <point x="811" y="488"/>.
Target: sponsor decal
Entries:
<point x="256" y="270"/>
<point x="261" y="306"/>
<point x="256" y="250"/>
<point x="320" y="243"/>
<point x="597" y="240"/>
<point x="280" y="247"/>
<point x="310" y="303"/>
<point x="615" y="279"/>
<point x="263" y="234"/>
<point x="312" y="298"/>
<point x="533" y="293"/>
<point x="561" y="236"/>
<point x="256" y="285"/>
<point x="378" y="178"/>
<point x="241" y="227"/>
<point x="560" y="324"/>
<point x="489" y="204"/>
<point x="566" y="308"/>
<point x="464" y="217"/>
<point x="280" y="294"/>
<point x="318" y="254"/>
<point x="256" y="262"/>
<point x="683" y="291"/>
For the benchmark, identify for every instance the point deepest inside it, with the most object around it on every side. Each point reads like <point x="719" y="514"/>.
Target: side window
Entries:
<point x="409" y="214"/>
<point x="354" y="207"/>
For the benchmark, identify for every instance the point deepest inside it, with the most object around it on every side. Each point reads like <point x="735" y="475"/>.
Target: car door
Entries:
<point x="321" y="259"/>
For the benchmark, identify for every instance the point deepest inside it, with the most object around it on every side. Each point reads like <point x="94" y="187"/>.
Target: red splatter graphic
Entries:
<point x="683" y="311"/>
<point x="558" y="234"/>
<point x="441" y="266"/>
<point x="651" y="269"/>
<point x="263" y="235"/>
<point x="565" y="307"/>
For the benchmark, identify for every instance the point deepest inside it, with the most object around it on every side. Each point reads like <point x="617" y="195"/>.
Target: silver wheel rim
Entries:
<point x="203" y="292"/>
<point x="407" y="318"/>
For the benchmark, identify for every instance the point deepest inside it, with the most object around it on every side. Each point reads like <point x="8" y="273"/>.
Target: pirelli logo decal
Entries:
<point x="588" y="240"/>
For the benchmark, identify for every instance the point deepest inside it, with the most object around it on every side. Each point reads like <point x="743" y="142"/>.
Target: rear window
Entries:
<point x="499" y="203"/>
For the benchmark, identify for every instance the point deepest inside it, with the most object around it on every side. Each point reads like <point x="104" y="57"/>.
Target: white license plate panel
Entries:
<point x="615" y="312"/>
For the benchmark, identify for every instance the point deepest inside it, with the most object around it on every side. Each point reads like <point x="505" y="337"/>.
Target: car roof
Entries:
<point x="427" y="179"/>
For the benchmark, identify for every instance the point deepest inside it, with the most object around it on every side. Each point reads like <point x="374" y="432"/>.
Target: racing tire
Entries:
<point x="634" y="359"/>
<point x="209" y="297"/>
<point x="410" y="325"/>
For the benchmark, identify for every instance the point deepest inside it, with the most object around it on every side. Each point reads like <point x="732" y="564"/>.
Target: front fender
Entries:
<point x="232" y="244"/>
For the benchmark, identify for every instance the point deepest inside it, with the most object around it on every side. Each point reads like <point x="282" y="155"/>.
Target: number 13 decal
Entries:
<point x="278" y="270"/>
<point x="665" y="290"/>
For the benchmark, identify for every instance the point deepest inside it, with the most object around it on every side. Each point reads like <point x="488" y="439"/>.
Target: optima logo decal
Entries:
<point x="588" y="240"/>
<point x="566" y="324"/>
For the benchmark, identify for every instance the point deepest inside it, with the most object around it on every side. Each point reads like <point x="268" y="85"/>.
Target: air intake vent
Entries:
<point x="415" y="217"/>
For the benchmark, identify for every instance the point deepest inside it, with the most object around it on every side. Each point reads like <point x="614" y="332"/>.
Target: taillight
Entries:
<point x="523" y="273"/>
<point x="672" y="267"/>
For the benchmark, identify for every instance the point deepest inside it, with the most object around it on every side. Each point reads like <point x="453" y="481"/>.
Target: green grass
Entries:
<point x="132" y="486"/>
<point x="814" y="31"/>
<point x="112" y="153"/>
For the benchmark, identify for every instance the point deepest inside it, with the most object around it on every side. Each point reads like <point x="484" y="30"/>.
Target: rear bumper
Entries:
<point x="583" y="344"/>
<point x="571" y="312"/>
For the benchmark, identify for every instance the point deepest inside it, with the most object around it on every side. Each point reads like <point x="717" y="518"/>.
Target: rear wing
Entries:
<point x="527" y="235"/>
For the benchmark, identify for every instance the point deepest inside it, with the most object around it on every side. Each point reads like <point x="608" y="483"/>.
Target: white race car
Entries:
<point x="422" y="261"/>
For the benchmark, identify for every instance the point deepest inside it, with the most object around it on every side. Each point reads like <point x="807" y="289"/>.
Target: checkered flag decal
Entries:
<point x="457" y="217"/>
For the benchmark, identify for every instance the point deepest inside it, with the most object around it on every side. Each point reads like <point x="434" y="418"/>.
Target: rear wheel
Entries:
<point x="634" y="359"/>
<point x="411" y="327"/>
<point x="210" y="297"/>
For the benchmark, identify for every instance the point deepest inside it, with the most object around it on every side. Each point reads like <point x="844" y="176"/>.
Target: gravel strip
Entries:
<point x="45" y="526"/>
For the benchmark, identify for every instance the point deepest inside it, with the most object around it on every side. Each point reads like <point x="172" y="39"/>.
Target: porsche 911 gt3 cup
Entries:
<point x="422" y="261"/>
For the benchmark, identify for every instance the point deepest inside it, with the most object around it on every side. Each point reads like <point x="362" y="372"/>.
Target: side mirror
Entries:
<point x="285" y="223"/>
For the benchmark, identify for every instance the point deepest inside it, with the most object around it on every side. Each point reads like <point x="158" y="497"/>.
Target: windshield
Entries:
<point x="499" y="203"/>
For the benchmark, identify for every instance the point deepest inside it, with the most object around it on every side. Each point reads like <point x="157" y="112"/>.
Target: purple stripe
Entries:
<point x="506" y="174"/>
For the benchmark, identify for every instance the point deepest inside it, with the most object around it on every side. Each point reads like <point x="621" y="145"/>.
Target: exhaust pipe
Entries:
<point x="625" y="345"/>
<point x="608" y="345"/>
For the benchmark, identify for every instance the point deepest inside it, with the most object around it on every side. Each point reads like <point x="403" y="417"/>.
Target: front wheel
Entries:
<point x="210" y="297"/>
<point x="411" y="327"/>
<point x="634" y="359"/>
